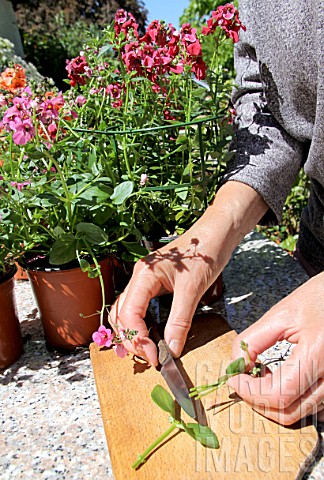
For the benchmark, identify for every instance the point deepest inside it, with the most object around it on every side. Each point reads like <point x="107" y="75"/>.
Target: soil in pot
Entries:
<point x="11" y="344"/>
<point x="69" y="303"/>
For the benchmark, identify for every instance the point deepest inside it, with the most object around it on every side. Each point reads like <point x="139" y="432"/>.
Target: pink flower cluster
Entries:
<point x="104" y="337"/>
<point x="227" y="18"/>
<point x="162" y="50"/>
<point x="20" y="117"/>
<point x="78" y="70"/>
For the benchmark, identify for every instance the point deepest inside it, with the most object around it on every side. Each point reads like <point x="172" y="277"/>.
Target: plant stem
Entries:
<point x="102" y="284"/>
<point x="64" y="185"/>
<point x="141" y="458"/>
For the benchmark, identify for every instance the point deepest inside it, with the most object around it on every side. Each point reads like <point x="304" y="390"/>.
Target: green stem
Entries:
<point x="102" y="284"/>
<point x="141" y="458"/>
<point x="64" y="185"/>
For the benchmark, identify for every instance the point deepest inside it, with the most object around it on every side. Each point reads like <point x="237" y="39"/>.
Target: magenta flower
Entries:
<point x="114" y="90"/>
<point x="20" y="185"/>
<point x="80" y="100"/>
<point x="103" y="337"/>
<point x="120" y="350"/>
<point x="23" y="131"/>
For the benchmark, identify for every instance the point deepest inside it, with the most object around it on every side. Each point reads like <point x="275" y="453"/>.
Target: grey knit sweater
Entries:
<point x="280" y="110"/>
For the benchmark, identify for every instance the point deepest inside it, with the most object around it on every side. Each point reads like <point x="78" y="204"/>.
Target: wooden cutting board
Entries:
<point x="251" y="447"/>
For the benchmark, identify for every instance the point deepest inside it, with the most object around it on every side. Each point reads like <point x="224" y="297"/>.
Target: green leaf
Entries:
<point x="122" y="192"/>
<point x="92" y="233"/>
<point x="136" y="249"/>
<point x="202" y="434"/>
<point x="163" y="399"/>
<point x="94" y="195"/>
<point x="58" y="231"/>
<point x="63" y="250"/>
<point x="238" y="366"/>
<point x="84" y="265"/>
<point x="104" y="49"/>
<point x="182" y="192"/>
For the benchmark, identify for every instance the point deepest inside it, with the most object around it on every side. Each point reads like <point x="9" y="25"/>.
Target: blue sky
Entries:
<point x="168" y="10"/>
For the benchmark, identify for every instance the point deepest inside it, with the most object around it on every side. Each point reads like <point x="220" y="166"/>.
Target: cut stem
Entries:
<point x="141" y="458"/>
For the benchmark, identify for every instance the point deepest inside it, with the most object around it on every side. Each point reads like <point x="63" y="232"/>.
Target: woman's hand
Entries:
<point x="296" y="389"/>
<point x="186" y="267"/>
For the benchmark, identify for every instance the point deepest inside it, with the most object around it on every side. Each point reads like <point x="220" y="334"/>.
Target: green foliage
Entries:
<point x="286" y="234"/>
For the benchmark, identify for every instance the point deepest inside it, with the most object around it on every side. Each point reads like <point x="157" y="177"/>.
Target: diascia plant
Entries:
<point x="136" y="144"/>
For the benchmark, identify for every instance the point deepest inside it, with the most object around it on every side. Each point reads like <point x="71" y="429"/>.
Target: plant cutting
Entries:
<point x="201" y="433"/>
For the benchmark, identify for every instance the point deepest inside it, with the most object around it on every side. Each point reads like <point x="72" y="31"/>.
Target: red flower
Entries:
<point x="227" y="18"/>
<point x="199" y="68"/>
<point x="194" y="49"/>
<point x="78" y="70"/>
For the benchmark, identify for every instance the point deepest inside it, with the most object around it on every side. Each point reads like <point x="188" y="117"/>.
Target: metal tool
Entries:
<point x="169" y="369"/>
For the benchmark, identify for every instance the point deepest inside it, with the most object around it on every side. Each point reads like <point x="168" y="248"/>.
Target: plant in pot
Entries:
<point x="68" y="215"/>
<point x="157" y="113"/>
<point x="11" y="344"/>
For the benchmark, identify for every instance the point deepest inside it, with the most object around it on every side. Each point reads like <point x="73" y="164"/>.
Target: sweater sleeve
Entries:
<point x="265" y="156"/>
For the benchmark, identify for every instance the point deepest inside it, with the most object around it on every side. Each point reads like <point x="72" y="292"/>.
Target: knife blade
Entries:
<point x="167" y="364"/>
<point x="174" y="379"/>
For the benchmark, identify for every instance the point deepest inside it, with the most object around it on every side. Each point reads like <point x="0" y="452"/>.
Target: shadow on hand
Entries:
<point x="177" y="257"/>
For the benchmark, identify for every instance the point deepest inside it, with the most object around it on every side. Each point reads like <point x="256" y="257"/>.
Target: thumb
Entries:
<point x="179" y="322"/>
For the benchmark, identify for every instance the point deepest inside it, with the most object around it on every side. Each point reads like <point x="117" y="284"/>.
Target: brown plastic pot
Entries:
<point x="11" y="345"/>
<point x="21" y="273"/>
<point x="62" y="295"/>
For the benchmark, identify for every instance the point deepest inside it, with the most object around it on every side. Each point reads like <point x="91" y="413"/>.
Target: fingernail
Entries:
<point x="175" y="348"/>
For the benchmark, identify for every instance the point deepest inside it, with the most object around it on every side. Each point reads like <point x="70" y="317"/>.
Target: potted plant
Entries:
<point x="51" y="189"/>
<point x="133" y="148"/>
<point x="160" y="117"/>
<point x="11" y="345"/>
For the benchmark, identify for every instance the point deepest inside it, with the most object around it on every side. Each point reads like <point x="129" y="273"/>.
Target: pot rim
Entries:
<point x="8" y="274"/>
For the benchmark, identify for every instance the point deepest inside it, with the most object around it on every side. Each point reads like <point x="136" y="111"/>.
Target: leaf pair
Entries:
<point x="200" y="433"/>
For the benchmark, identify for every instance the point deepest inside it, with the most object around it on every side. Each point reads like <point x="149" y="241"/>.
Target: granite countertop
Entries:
<point x="51" y="426"/>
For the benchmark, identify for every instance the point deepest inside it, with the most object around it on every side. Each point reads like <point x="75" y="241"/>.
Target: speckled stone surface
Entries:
<point x="50" y="421"/>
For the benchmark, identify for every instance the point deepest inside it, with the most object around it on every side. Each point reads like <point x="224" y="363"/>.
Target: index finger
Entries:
<point x="130" y="310"/>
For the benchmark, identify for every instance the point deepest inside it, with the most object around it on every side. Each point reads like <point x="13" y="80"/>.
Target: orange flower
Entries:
<point x="13" y="78"/>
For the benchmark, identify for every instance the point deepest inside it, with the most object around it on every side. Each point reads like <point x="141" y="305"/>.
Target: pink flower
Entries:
<point x="114" y="90"/>
<point x="20" y="185"/>
<point x="120" y="350"/>
<point x="117" y="104"/>
<point x="103" y="337"/>
<point x="144" y="179"/>
<point x="23" y="131"/>
<point x="80" y="100"/>
<point x="227" y="18"/>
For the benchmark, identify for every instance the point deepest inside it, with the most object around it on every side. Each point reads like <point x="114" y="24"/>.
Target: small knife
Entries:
<point x="170" y="370"/>
<point x="174" y="379"/>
